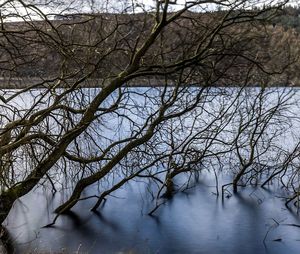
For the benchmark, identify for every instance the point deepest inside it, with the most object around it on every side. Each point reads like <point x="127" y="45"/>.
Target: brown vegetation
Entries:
<point x="73" y="47"/>
<point x="63" y="133"/>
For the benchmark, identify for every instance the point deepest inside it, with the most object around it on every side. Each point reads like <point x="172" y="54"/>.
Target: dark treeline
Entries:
<point x="51" y="48"/>
<point x="290" y="18"/>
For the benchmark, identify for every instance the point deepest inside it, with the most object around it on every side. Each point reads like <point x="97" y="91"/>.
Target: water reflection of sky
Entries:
<point x="192" y="222"/>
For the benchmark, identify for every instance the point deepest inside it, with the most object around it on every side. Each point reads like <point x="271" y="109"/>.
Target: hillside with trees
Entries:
<point x="289" y="18"/>
<point x="70" y="45"/>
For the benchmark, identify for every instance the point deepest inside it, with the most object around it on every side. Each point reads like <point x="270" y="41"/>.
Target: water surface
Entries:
<point x="193" y="222"/>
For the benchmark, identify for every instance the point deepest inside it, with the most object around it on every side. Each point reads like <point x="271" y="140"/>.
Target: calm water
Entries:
<point x="196" y="221"/>
<point x="192" y="222"/>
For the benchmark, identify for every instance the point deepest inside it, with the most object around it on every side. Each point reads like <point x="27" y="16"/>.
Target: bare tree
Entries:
<point x="135" y="92"/>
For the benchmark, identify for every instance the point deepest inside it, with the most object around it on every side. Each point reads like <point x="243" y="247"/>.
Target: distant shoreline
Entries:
<point x="35" y="82"/>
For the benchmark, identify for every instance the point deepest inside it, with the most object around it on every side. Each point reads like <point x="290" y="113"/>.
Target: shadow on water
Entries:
<point x="192" y="222"/>
<point x="105" y="221"/>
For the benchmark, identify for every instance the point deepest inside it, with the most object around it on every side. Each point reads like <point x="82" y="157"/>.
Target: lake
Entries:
<point x="195" y="220"/>
<point x="192" y="222"/>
